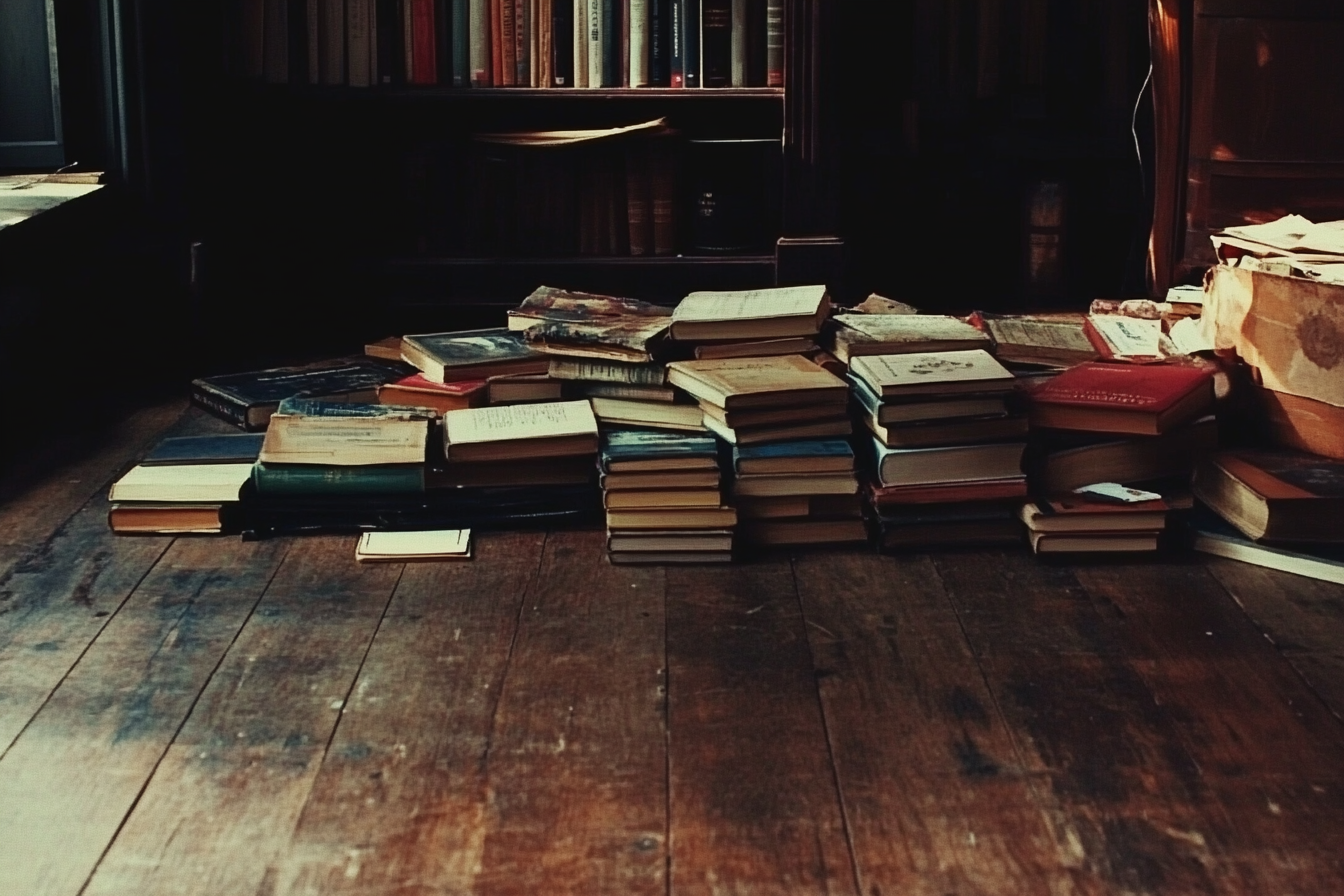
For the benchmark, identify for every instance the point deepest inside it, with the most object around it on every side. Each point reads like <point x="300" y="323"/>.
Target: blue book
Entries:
<point x="233" y="448"/>
<point x="314" y="407"/>
<point x="1213" y="535"/>
<point x="640" y="449"/>
<point x="800" y="456"/>
<point x="659" y="47"/>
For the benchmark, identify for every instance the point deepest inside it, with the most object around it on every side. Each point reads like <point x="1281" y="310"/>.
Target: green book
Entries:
<point x="318" y="479"/>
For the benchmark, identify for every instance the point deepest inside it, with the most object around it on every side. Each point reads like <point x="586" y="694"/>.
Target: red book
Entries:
<point x="1123" y="398"/>
<point x="981" y="490"/>
<point x="424" y="66"/>
<point x="417" y="391"/>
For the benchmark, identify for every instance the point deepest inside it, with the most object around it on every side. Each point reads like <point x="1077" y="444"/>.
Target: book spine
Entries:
<point x="580" y="43"/>
<point x="774" y="43"/>
<point x="663" y="191"/>
<point x="313" y="23"/>
<point x="425" y="66"/>
<point x="739" y="44"/>
<point x="756" y="65"/>
<point x="691" y="43"/>
<point x="497" y="42"/>
<point x="595" y="42"/>
<point x="637" y="198"/>
<point x="562" y="43"/>
<point x="611" y="43"/>
<point x="544" y="57"/>
<point x="676" y="74"/>
<point x="718" y="49"/>
<point x="357" y="43"/>
<point x="304" y="479"/>
<point x="443" y="41"/>
<point x="608" y="372"/>
<point x="461" y="43"/>
<point x="333" y="42"/>
<point x="658" y="49"/>
<point x="408" y="40"/>
<point x="623" y="23"/>
<point x="508" y="44"/>
<point x="224" y="406"/>
<point x="521" y="65"/>
<point x="479" y="62"/>
<point x="639" y="43"/>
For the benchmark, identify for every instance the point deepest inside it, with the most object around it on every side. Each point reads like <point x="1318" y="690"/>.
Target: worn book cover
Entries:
<point x="417" y="391"/>
<point x="471" y="354"/>
<point x="181" y="483"/>
<point x="548" y="303"/>
<point x="1039" y="339"/>
<point x="883" y="334"/>
<point x="591" y="370"/>
<point x="751" y="314"/>
<point x="757" y="382"/>
<point x="933" y="373"/>
<point x="655" y="414"/>
<point x="547" y="429"/>
<point x="235" y="448"/>
<point x="757" y="458"/>
<point x="326" y="479"/>
<point x="620" y="446"/>
<point x="1131" y="398"/>
<point x="616" y="338"/>
<point x="249" y="399"/>
<point x="308" y="431"/>
<point x="1212" y="535"/>
<point x="1275" y="495"/>
<point x="948" y="464"/>
<point x="1074" y="513"/>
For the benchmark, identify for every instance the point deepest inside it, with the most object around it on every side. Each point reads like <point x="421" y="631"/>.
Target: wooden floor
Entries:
<point x="207" y="716"/>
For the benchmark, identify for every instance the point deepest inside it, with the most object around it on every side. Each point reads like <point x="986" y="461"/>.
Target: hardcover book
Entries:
<point x="949" y="464"/>
<point x="550" y="429"/>
<point x="1046" y="340"/>
<point x="1212" y="535"/>
<point x="249" y="399"/>
<point x="1072" y="513"/>
<point x="929" y="433"/>
<point x="631" y="339"/>
<point x="794" y="414"/>
<point x="237" y="448"/>
<point x="416" y="391"/>
<point x="751" y="314"/>
<point x="766" y="485"/>
<point x="271" y="479"/>
<point x="757" y="382"/>
<point x="403" y="547"/>
<point x="1011" y="486"/>
<point x="306" y="431"/>
<point x="635" y="451"/>
<point x="932" y="373"/>
<point x="805" y="456"/>
<point x="1284" y="496"/>
<point x="181" y="483"/>
<point x="890" y="334"/>
<point x="1063" y="467"/>
<point x="896" y="412"/>
<point x="673" y="518"/>
<point x="656" y="414"/>
<point x="170" y="519"/>
<point x="805" y="429"/>
<point x="1123" y="398"/>
<point x="471" y="355"/>
<point x="546" y="303"/>
<point x="617" y="372"/>
<point x="796" y="345"/>
<point x="660" y="479"/>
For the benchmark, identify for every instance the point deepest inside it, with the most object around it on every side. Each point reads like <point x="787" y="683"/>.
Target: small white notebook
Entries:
<point x="441" y="544"/>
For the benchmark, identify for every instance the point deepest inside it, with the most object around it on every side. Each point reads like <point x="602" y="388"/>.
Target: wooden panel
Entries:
<point x="934" y="794"/>
<point x="400" y="802"/>
<point x="69" y="780"/>
<point x="229" y="791"/>
<point x="754" y="806"/>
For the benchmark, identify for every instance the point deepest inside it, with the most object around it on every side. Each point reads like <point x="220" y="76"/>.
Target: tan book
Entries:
<point x="505" y="432"/>
<point x="665" y="558"/>
<point x="166" y="519"/>
<point x="751" y="314"/>
<point x="181" y="483"/>
<point x="661" y="479"/>
<point x="932" y="373"/>
<point x="673" y="518"/>
<point x="777" y="416"/>
<point x="528" y="387"/>
<point x="389" y="349"/>
<point x="655" y="414"/>
<point x="758" y="485"/>
<point x="1129" y="542"/>
<point x="405" y="547"/>
<point x="797" y="345"/>
<point x="948" y="464"/>
<point x="888" y="334"/>
<point x="814" y="429"/>
<point x="926" y="434"/>
<point x="757" y="382"/>
<point x="662" y="497"/>
<point x="670" y="540"/>
<point x="304" y="431"/>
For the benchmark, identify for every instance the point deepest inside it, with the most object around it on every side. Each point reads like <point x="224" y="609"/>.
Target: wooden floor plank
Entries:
<point x="399" y="804"/>
<point x="577" y="760"/>
<point x="1123" y="788"/>
<point x="70" y="779"/>
<point x="231" y="787"/>
<point x="754" y="804"/>
<point x="933" y="790"/>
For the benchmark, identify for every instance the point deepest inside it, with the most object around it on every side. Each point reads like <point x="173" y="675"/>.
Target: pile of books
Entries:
<point x="663" y="500"/>
<point x="185" y="485"/>
<point x="1082" y="524"/>
<point x="947" y="447"/>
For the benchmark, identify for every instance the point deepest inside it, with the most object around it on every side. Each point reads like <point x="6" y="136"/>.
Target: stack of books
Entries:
<point x="947" y="447"/>
<point x="663" y="499"/>
<point x="750" y="323"/>
<point x="185" y="485"/>
<point x="1081" y="525"/>
<point x="783" y="415"/>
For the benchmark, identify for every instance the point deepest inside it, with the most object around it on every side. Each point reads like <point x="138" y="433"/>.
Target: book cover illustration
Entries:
<point x="472" y="347"/>
<point x="549" y="303"/>
<point x="634" y="337"/>
<point x="324" y="379"/>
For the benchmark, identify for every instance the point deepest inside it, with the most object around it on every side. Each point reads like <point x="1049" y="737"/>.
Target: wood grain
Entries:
<point x="400" y="802"/>
<point x="934" y="794"/>
<point x="754" y="804"/>
<point x="70" y="779"/>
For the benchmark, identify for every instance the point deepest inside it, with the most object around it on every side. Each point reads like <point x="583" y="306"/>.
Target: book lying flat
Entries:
<point x="1129" y="542"/>
<point x="271" y="479"/>
<point x="549" y="429"/>
<point x="796" y="345"/>
<point x="524" y="387"/>
<point x="757" y="485"/>
<point x="631" y="339"/>
<point x="1072" y="513"/>
<point x="673" y="518"/>
<point x="751" y="314"/>
<point x="167" y="519"/>
<point x="235" y="448"/>
<point x="471" y="355"/>
<point x="660" y="479"/>
<point x="661" y="497"/>
<point x="181" y="483"/>
<point x="1123" y="398"/>
<point x="1286" y="496"/>
<point x="810" y="429"/>
<point x="753" y="418"/>
<point x="1212" y="535"/>
<point x="670" y="540"/>
<point x="950" y="464"/>
<point x="626" y="391"/>
<point x="546" y="303"/>
<point x="305" y="431"/>
<point x="932" y="373"/>
<point x="946" y="492"/>
<point x="248" y="399"/>
<point x="655" y="414"/>
<point x="889" y="334"/>
<point x="924" y="408"/>
<point x="618" y="372"/>
<point x="758" y="382"/>
<point x="401" y="547"/>
<point x="804" y="456"/>
<point x="1063" y="468"/>
<point x="929" y="433"/>
<point x="416" y="391"/>
<point x="628" y="451"/>
<point x="1056" y="340"/>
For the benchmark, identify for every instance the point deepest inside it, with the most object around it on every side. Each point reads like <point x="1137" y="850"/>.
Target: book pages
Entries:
<point x="751" y="304"/>
<point x="181" y="482"/>
<point x="519" y="421"/>
<point x="885" y="372"/>
<point x="415" y="544"/>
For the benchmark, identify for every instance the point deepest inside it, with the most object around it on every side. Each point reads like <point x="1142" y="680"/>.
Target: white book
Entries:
<point x="581" y="43"/>
<point x="596" y="40"/>
<point x="502" y="423"/>
<point x="753" y="313"/>
<point x="442" y="544"/>
<point x="181" y="483"/>
<point x="738" y="60"/>
<point x="933" y="373"/>
<point x="478" y="12"/>
<point x="639" y="43"/>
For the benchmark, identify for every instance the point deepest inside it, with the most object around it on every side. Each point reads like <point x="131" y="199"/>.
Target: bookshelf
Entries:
<point x="363" y="189"/>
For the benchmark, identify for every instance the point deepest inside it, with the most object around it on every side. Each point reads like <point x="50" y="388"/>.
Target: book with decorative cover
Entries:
<point x="248" y="399"/>
<point x="471" y="354"/>
<point x="546" y="303"/>
<point x="890" y="334"/>
<point x="616" y="338"/>
<point x="1124" y="398"/>
<point x="932" y="373"/>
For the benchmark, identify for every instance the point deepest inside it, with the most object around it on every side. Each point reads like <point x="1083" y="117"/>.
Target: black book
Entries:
<point x="690" y="42"/>
<point x="611" y="43"/>
<point x="659" y="70"/>
<point x="443" y="40"/>
<point x="676" y="43"/>
<point x="248" y="399"/>
<point x="391" y="45"/>
<point x="756" y="50"/>
<point x="718" y="44"/>
<point x="562" y="48"/>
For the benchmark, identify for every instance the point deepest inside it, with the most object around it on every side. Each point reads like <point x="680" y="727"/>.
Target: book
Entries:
<point x="690" y="43"/>
<point x="630" y="339"/>
<point x="480" y="27"/>
<point x="248" y="399"/>
<point x="665" y="558"/>
<point x="676" y="39"/>
<point x="234" y="448"/>
<point x="546" y="303"/>
<point x="761" y="348"/>
<point x="738" y="53"/>
<point x="417" y="391"/>
<point x="388" y="349"/>
<point x="673" y="518"/>
<point x="1129" y="542"/>
<point x="461" y="43"/>
<point x="1276" y="496"/>
<point x="471" y="355"/>
<point x="325" y="479"/>
<point x="1212" y="535"/>
<point x="1063" y="468"/>
<point x="638" y="28"/>
<point x="646" y="499"/>
<point x="780" y="533"/>
<point x="308" y="431"/>
<point x="716" y="43"/>
<point x="806" y="456"/>
<point x="562" y="43"/>
<point x="774" y="43"/>
<point x="655" y="414"/>
<point x="1302" y="423"/>
<point x="930" y="433"/>
<point x="424" y="69"/>
<point x="948" y="464"/>
<point x="1005" y="487"/>
<point x="521" y="431"/>
<point x="795" y="414"/>
<point x="1073" y="513"/>
<point x="855" y="335"/>
<point x="402" y="547"/>
<point x="1058" y="340"/>
<point x="670" y="540"/>
<point x="563" y="368"/>
<point x="925" y="408"/>
<point x="169" y="519"/>
<point x="932" y="373"/>
<point x="515" y="389"/>
<point x="660" y="479"/>
<point x="626" y="391"/>
<point x="757" y="382"/>
<point x="1117" y="337"/>
<point x="751" y="314"/>
<point x="659" y="70"/>
<point x="809" y="429"/>
<point x="767" y="485"/>
<point x="1123" y="398"/>
<point x="181" y="483"/>
<point x="629" y="451"/>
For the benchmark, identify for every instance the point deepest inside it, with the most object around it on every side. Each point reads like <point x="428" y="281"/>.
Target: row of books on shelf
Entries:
<point x="511" y="43"/>
<point x="744" y="418"/>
